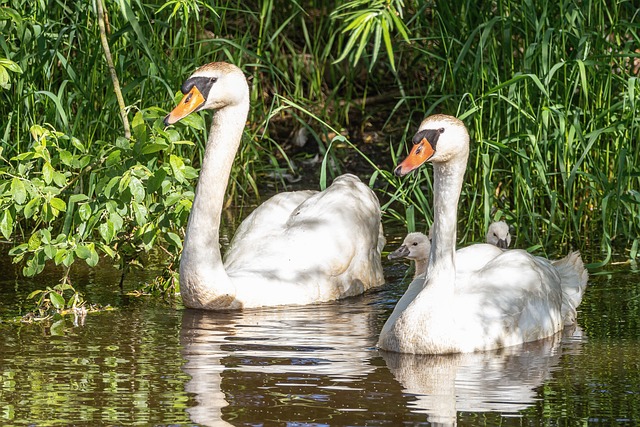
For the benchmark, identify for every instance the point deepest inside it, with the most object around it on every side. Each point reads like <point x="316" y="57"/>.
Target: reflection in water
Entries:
<point x="324" y="341"/>
<point x="503" y="381"/>
<point x="319" y="364"/>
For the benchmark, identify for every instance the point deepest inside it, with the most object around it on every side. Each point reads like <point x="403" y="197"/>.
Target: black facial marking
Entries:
<point x="203" y="84"/>
<point x="431" y="135"/>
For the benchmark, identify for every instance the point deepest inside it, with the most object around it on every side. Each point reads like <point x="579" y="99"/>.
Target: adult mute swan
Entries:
<point x="416" y="246"/>
<point x="298" y="247"/>
<point x="509" y="298"/>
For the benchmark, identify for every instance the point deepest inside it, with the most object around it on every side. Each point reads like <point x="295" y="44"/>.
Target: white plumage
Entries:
<point x="480" y="297"/>
<point x="296" y="248"/>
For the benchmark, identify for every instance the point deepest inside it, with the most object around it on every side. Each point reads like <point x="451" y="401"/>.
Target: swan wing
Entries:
<point x="516" y="297"/>
<point x="329" y="240"/>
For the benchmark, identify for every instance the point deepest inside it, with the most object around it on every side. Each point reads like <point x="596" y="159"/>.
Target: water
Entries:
<point x="149" y="363"/>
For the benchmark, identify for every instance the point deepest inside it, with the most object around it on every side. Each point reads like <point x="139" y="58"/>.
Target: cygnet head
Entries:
<point x="212" y="86"/>
<point x="416" y="246"/>
<point x="498" y="234"/>
<point x="439" y="139"/>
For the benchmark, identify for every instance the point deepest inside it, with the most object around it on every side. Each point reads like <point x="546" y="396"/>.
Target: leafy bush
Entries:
<point x="84" y="200"/>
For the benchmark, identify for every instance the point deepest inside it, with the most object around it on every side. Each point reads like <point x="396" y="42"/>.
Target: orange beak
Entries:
<point x="420" y="153"/>
<point x="190" y="103"/>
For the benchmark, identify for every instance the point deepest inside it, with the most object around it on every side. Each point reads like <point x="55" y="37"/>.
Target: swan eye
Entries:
<point x="213" y="79"/>
<point x="441" y="130"/>
<point x="415" y="243"/>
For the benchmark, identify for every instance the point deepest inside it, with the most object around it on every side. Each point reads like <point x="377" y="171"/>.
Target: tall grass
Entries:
<point x="547" y="89"/>
<point x="549" y="93"/>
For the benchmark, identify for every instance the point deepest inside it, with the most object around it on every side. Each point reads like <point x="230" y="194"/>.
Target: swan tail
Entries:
<point x="573" y="278"/>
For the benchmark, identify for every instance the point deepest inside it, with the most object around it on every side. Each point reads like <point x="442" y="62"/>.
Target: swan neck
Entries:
<point x="448" y="179"/>
<point x="201" y="261"/>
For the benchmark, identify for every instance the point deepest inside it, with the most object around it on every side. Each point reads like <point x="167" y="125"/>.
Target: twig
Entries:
<point x="112" y="69"/>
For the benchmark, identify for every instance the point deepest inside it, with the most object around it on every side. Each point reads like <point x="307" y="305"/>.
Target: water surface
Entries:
<point x="150" y="363"/>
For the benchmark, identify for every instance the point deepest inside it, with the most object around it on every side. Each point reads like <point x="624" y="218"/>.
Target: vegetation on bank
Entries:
<point x="547" y="89"/>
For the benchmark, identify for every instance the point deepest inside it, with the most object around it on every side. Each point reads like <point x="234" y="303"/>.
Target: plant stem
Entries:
<point x="112" y="68"/>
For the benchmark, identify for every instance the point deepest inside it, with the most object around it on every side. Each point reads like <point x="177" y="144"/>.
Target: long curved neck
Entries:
<point x="448" y="178"/>
<point x="202" y="274"/>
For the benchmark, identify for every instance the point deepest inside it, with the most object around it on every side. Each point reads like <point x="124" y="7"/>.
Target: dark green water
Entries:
<point x="149" y="363"/>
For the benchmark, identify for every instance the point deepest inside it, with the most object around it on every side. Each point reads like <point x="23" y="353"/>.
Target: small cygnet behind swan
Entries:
<point x="498" y="234"/>
<point x="417" y="246"/>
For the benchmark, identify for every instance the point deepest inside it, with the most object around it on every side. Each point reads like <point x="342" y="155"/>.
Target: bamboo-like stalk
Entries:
<point x="112" y="69"/>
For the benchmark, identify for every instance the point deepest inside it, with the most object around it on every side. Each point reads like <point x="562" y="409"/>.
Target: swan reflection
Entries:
<point x="331" y="341"/>
<point x="502" y="381"/>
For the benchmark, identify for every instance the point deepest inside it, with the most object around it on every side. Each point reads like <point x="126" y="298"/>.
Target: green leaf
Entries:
<point x="31" y="207"/>
<point x="19" y="250"/>
<point x="75" y="198"/>
<point x="47" y="172"/>
<point x="34" y="242"/>
<point x="66" y="157"/>
<point x="177" y="164"/>
<point x="68" y="259"/>
<point x="83" y="251"/>
<point x="60" y="256"/>
<point x="59" y="179"/>
<point x="114" y="158"/>
<point x="6" y="223"/>
<point x="18" y="190"/>
<point x="57" y="300"/>
<point x="174" y="239"/>
<point x="107" y="231"/>
<point x="93" y="259"/>
<point x="108" y="189"/>
<point x="50" y="251"/>
<point x="58" y="204"/>
<point x="153" y="148"/>
<point x="34" y="293"/>
<point x="155" y="181"/>
<point x="84" y="211"/>
<point x="137" y="189"/>
<point x="140" y="212"/>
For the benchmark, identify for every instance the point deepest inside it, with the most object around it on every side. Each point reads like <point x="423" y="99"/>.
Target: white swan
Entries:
<point x="416" y="246"/>
<point x="504" y="298"/>
<point x="296" y="248"/>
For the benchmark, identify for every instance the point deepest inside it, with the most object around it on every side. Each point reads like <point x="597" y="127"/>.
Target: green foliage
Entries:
<point x="364" y="19"/>
<point x="549" y="91"/>
<point x="53" y="301"/>
<point x="86" y="201"/>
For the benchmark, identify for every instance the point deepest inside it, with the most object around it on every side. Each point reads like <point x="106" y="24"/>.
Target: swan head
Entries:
<point x="498" y="234"/>
<point x="438" y="139"/>
<point x="210" y="87"/>
<point x="416" y="246"/>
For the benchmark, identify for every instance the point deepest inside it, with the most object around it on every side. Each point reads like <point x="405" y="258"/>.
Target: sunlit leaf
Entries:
<point x="137" y="189"/>
<point x="18" y="190"/>
<point x="57" y="300"/>
<point x="47" y="172"/>
<point x="83" y="252"/>
<point x="6" y="223"/>
<point x="58" y="204"/>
